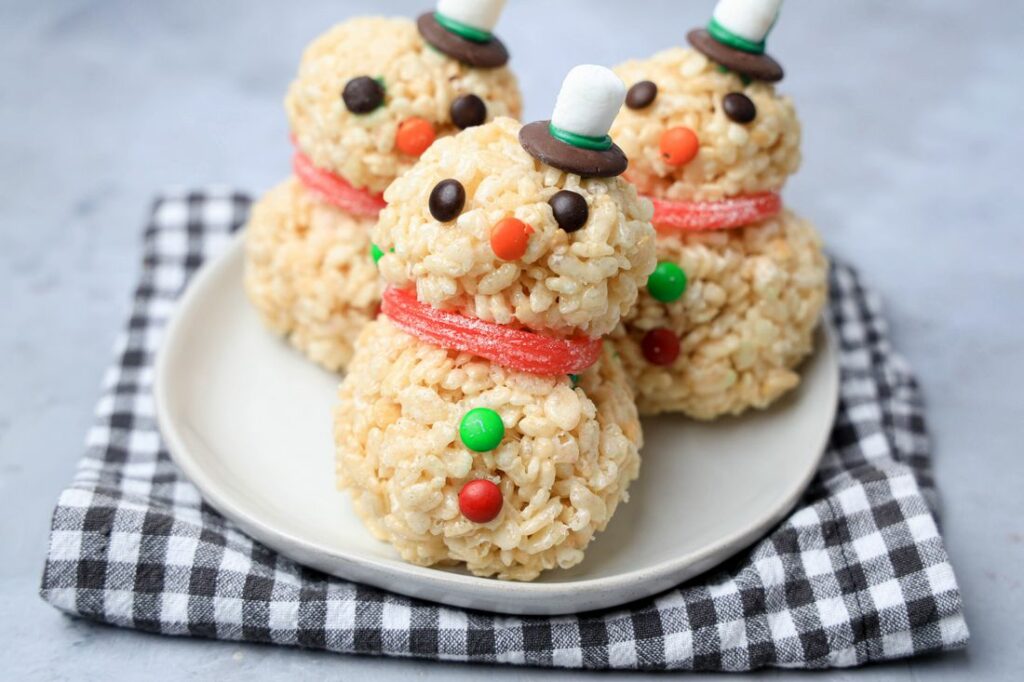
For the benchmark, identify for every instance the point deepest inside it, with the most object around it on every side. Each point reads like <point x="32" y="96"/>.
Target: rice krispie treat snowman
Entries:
<point x="481" y="422"/>
<point x="371" y="95"/>
<point x="731" y="308"/>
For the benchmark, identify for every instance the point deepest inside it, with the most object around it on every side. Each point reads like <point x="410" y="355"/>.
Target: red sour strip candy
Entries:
<point x="519" y="349"/>
<point x="335" y="190"/>
<point x="671" y="216"/>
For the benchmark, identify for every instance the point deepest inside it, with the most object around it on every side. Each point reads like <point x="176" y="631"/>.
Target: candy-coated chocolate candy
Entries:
<point x="738" y="107"/>
<point x="641" y="95"/>
<point x="446" y="200"/>
<point x="480" y="501"/>
<point x="660" y="346"/>
<point x="570" y="210"/>
<point x="520" y="349"/>
<point x="671" y="216"/>
<point x="333" y="189"/>
<point x="362" y="95"/>
<point x="575" y="379"/>
<point x="678" y="146"/>
<point x="509" y="238"/>
<point x="375" y="252"/>
<point x="481" y="429"/>
<point x="414" y="136"/>
<point x="468" y="111"/>
<point x="667" y="283"/>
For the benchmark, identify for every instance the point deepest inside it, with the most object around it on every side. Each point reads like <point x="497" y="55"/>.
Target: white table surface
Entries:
<point x="913" y="150"/>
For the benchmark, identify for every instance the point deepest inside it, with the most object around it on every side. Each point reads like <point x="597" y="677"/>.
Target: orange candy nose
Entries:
<point x="679" y="146"/>
<point x="414" y="136"/>
<point x="509" y="238"/>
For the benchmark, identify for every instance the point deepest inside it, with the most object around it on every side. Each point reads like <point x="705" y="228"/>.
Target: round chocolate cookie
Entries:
<point x="488" y="55"/>
<point x="758" y="66"/>
<point x="587" y="163"/>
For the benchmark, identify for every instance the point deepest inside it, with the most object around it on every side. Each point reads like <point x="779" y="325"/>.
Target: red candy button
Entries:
<point x="516" y="348"/>
<point x="480" y="501"/>
<point x="509" y="238"/>
<point x="660" y="346"/>
<point x="678" y="146"/>
<point x="334" y="190"/>
<point x="414" y="136"/>
<point x="670" y="216"/>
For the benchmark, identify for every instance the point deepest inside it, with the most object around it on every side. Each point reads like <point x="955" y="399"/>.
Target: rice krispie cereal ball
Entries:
<point x="564" y="282"/>
<point x="568" y="454"/>
<point x="481" y="422"/>
<point x="371" y="95"/>
<point x="732" y="305"/>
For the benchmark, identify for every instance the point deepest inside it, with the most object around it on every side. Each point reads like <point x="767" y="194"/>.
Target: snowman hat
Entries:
<point x="735" y="37"/>
<point x="462" y="29"/>
<point x="576" y="138"/>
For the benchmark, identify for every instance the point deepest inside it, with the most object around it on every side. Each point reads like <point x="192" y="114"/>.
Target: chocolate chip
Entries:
<point x="468" y="111"/>
<point x="362" y="95"/>
<point x="641" y="95"/>
<point x="570" y="210"/>
<point x="447" y="199"/>
<point x="738" y="107"/>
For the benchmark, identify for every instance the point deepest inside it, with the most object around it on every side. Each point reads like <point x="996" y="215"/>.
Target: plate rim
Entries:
<point x="532" y="598"/>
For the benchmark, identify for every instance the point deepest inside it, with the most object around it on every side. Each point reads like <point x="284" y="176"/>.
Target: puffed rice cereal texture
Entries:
<point x="745" y="321"/>
<point x="418" y="80"/>
<point x="733" y="158"/>
<point x="309" y="272"/>
<point x="563" y="467"/>
<point x="564" y="284"/>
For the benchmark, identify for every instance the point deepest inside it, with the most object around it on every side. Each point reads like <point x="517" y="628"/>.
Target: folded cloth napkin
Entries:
<point x="856" y="573"/>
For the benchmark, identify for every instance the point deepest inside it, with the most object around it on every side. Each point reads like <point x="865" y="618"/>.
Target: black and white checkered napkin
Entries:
<point x="857" y="573"/>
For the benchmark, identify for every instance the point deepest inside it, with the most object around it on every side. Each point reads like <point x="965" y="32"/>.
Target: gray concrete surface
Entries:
<point x="912" y="113"/>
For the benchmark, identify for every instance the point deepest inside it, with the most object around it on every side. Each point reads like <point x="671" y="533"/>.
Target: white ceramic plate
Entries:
<point x="248" y="419"/>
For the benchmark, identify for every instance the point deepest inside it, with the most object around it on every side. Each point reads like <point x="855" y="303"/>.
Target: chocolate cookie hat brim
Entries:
<point x="757" y="66"/>
<point x="483" y="55"/>
<point x="536" y="139"/>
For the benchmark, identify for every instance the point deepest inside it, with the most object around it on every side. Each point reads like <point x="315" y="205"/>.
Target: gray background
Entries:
<point x="913" y="148"/>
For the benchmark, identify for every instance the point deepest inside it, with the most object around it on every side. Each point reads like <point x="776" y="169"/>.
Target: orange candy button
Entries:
<point x="509" y="238"/>
<point x="414" y="136"/>
<point x="679" y="145"/>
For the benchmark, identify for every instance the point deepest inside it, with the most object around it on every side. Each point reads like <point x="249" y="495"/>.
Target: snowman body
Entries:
<point x="754" y="286"/>
<point x="569" y="446"/>
<point x="309" y="266"/>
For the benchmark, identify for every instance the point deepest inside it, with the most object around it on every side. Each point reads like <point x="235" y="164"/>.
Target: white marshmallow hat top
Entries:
<point x="744" y="24"/>
<point x="588" y="102"/>
<point x="472" y="15"/>
<point x="576" y="138"/>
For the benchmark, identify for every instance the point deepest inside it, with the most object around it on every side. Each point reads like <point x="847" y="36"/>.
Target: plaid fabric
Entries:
<point x="857" y="573"/>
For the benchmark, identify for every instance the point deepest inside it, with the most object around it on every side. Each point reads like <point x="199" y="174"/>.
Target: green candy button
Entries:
<point x="667" y="283"/>
<point x="481" y="429"/>
<point x="375" y="252"/>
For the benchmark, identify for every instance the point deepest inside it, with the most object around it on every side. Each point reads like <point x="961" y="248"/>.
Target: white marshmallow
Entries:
<point x="589" y="101"/>
<point x="750" y="19"/>
<point x="480" y="14"/>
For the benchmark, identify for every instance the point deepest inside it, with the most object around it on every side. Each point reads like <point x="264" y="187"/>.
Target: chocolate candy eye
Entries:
<point x="362" y="95"/>
<point x="570" y="210"/>
<point x="738" y="107"/>
<point x="468" y="111"/>
<point x="447" y="199"/>
<point x="641" y="95"/>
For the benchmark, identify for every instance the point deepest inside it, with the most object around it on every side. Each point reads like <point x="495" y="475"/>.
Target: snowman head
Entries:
<point x="518" y="226"/>
<point x="706" y="123"/>
<point x="372" y="93"/>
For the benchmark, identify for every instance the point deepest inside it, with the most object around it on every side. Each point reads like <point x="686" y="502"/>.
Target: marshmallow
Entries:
<point x="479" y="14"/>
<point x="749" y="19"/>
<point x="589" y="101"/>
